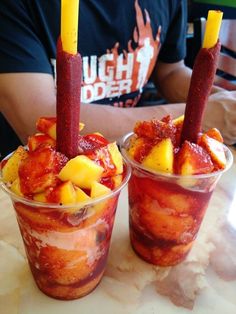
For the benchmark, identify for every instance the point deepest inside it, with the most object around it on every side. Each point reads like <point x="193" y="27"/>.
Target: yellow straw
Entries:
<point x="69" y="25"/>
<point x="213" y="24"/>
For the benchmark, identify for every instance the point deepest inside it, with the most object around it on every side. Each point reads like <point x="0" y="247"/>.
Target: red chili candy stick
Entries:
<point x="69" y="69"/>
<point x="203" y="74"/>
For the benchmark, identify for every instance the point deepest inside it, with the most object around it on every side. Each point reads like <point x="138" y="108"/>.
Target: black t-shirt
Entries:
<point x="119" y="42"/>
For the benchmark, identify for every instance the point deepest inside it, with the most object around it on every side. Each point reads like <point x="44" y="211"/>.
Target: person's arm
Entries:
<point x="24" y="97"/>
<point x="221" y="113"/>
<point x="173" y="80"/>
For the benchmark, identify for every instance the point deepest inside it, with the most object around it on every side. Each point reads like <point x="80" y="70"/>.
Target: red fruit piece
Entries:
<point x="215" y="134"/>
<point x="102" y="157"/>
<point x="193" y="159"/>
<point x="45" y="123"/>
<point x="40" y="139"/>
<point x="97" y="139"/>
<point x="3" y="162"/>
<point x="178" y="122"/>
<point x="155" y="129"/>
<point x="40" y="169"/>
<point x="91" y="142"/>
<point x="215" y="150"/>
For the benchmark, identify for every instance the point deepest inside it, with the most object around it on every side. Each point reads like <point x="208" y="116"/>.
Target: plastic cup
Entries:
<point x="67" y="246"/>
<point x="165" y="210"/>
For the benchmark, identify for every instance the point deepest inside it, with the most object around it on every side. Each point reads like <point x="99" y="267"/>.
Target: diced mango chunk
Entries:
<point x="98" y="189"/>
<point x="193" y="159"/>
<point x="10" y="169"/>
<point x="39" y="139"/>
<point x="52" y="131"/>
<point x="15" y="187"/>
<point x="66" y="193"/>
<point x="47" y="125"/>
<point x="40" y="169"/>
<point x="161" y="157"/>
<point x="116" y="157"/>
<point x="81" y="171"/>
<point x="97" y="133"/>
<point x="117" y="180"/>
<point x="215" y="150"/>
<point x="187" y="168"/>
<point x="80" y="195"/>
<point x="215" y="134"/>
<point x="81" y="126"/>
<point x="63" y="194"/>
<point x="135" y="145"/>
<point x="40" y="197"/>
<point x="178" y="120"/>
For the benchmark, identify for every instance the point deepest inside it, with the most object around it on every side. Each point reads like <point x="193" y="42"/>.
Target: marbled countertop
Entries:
<point x="204" y="283"/>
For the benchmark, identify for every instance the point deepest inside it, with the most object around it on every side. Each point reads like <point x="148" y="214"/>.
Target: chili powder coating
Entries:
<point x="69" y="70"/>
<point x="203" y="74"/>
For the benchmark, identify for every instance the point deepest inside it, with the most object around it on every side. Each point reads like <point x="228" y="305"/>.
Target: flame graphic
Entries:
<point x="142" y="35"/>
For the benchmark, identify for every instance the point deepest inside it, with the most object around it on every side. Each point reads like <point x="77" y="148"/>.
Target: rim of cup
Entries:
<point x="124" y="144"/>
<point x="93" y="201"/>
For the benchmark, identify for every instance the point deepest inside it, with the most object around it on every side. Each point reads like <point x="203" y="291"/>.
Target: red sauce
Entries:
<point x="164" y="218"/>
<point x="67" y="273"/>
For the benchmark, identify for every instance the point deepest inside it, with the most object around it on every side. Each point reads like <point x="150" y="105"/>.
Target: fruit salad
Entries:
<point x="170" y="187"/>
<point x="65" y="207"/>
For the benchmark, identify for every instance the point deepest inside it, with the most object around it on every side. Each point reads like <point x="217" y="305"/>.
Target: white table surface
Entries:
<point x="129" y="284"/>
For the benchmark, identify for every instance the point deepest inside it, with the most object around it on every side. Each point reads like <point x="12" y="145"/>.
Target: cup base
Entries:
<point x="157" y="256"/>
<point x="67" y="293"/>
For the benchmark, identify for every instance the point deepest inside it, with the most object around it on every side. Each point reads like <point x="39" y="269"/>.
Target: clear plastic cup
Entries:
<point x="165" y="210"/>
<point x="67" y="246"/>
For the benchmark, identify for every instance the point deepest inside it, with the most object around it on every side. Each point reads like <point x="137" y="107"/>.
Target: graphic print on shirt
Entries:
<point x="113" y="75"/>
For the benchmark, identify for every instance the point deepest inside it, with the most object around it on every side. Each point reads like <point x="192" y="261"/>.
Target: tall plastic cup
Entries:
<point x="166" y="211"/>
<point x="67" y="246"/>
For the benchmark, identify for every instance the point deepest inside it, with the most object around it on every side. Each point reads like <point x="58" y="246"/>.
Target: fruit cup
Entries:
<point x="67" y="246"/>
<point x="166" y="210"/>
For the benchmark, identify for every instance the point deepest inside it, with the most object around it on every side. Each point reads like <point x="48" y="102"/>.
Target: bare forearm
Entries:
<point x="24" y="97"/>
<point x="175" y="86"/>
<point x="173" y="81"/>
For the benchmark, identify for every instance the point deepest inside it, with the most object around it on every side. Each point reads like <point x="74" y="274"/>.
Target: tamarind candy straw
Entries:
<point x="202" y="79"/>
<point x="69" y="69"/>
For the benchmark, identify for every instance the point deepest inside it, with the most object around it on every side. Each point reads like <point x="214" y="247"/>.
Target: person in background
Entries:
<point x="123" y="44"/>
